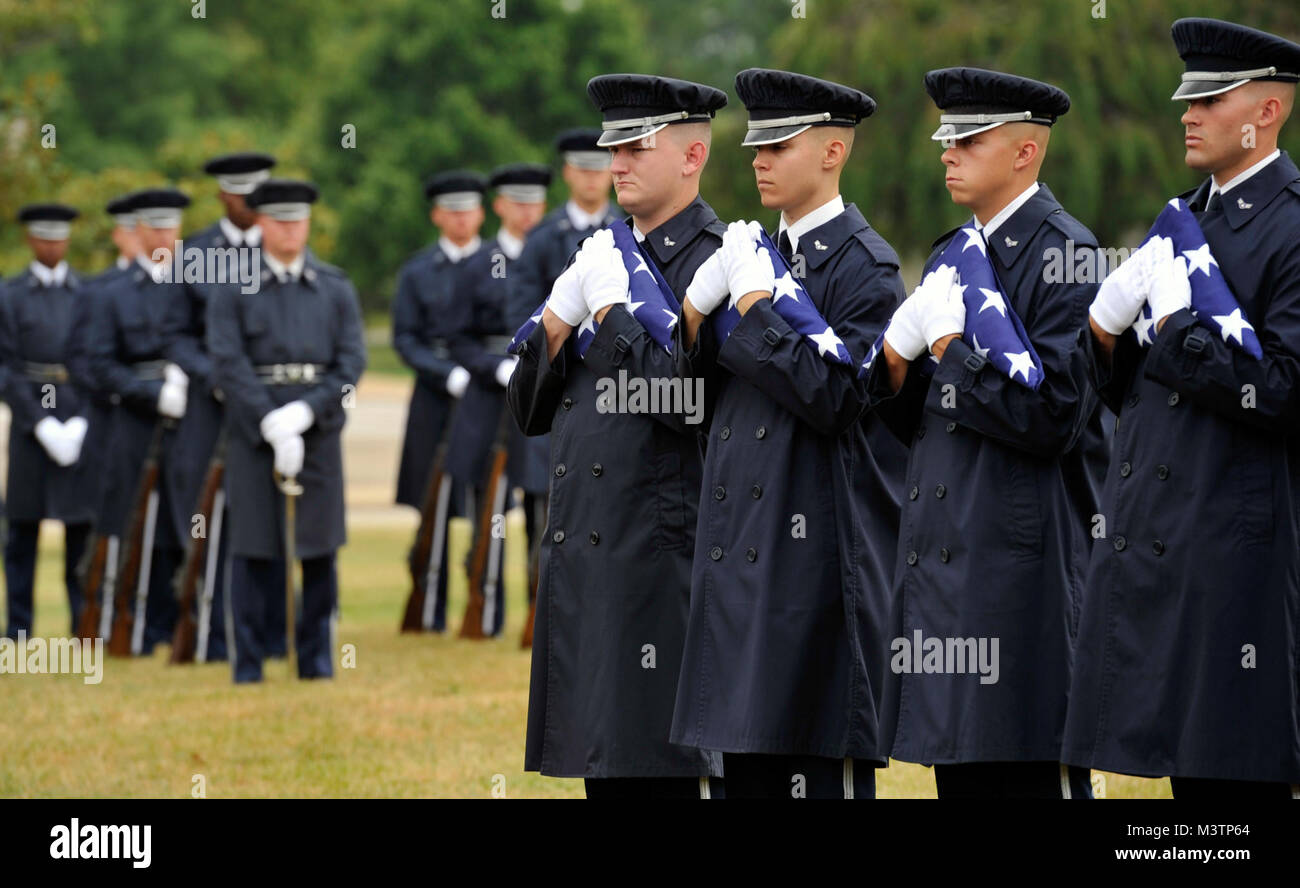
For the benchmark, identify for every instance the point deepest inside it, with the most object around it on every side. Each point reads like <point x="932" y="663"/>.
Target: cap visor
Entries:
<point x="1199" y="89"/>
<point x="772" y="135"/>
<point x="957" y="131"/>
<point x="623" y="136"/>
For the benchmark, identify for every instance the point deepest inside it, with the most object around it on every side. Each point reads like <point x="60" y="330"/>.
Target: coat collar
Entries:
<point x="666" y="241"/>
<point x="1244" y="201"/>
<point x="1013" y="236"/>
<point x="820" y="243"/>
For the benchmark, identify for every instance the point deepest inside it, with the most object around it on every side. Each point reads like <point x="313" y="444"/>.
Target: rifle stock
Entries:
<point x="119" y="641"/>
<point x="185" y="638"/>
<point x="422" y="550"/>
<point x="90" y="572"/>
<point x="472" y="624"/>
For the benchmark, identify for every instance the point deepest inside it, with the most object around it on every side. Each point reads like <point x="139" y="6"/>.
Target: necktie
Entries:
<point x="1213" y="206"/>
<point x="783" y="244"/>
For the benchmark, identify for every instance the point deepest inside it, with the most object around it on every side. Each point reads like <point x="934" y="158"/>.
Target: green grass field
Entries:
<point x="418" y="716"/>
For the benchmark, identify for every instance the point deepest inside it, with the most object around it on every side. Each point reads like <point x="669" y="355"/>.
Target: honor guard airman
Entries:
<point x="1188" y="661"/>
<point x="981" y="377"/>
<point x="50" y="413"/>
<point x="795" y="543"/>
<point x="231" y="243"/>
<point x="127" y="360"/>
<point x="287" y="359"/>
<point x="614" y="591"/>
<point x="585" y="170"/>
<point x="479" y="338"/>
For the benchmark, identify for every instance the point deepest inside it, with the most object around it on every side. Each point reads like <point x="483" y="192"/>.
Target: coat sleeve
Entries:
<point x="104" y="365"/>
<point x="528" y="283"/>
<point x="1046" y="422"/>
<point x="23" y="405"/>
<point x="622" y="344"/>
<point x="409" y="324"/>
<point x="471" y="291"/>
<point x="1112" y="378"/>
<point x="537" y="384"/>
<point x="184" y="322"/>
<point x="768" y="353"/>
<point x="247" y="399"/>
<point x="326" y="398"/>
<point x="1264" y="393"/>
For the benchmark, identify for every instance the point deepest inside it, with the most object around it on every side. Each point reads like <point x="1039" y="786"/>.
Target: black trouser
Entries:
<point x="1012" y="780"/>
<point x="255" y="580"/>
<point x="1224" y="790"/>
<point x="20" y="573"/>
<point x="160" y="606"/>
<point x="760" y="776"/>
<point x="653" y="787"/>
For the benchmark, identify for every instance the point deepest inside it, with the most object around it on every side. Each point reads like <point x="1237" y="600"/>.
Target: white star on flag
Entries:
<point x="672" y="317"/>
<point x="1021" y="363"/>
<point x="993" y="299"/>
<point x="982" y="352"/>
<point x="588" y="325"/>
<point x="633" y="306"/>
<point x="974" y="239"/>
<point x="785" y="286"/>
<point x="1199" y="260"/>
<point x="1176" y="204"/>
<point x="640" y="265"/>
<point x="1144" y="327"/>
<point x="536" y="318"/>
<point x="1234" y="325"/>
<point x="826" y="342"/>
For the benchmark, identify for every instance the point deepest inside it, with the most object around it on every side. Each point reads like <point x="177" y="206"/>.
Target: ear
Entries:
<point x="1025" y="155"/>
<point x="497" y="203"/>
<point x="434" y="215"/>
<point x="1270" y="112"/>
<point x="833" y="154"/>
<point x="696" y="154"/>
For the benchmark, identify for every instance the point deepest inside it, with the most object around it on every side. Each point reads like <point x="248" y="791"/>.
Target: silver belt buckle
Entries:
<point x="278" y="373"/>
<point x="308" y="372"/>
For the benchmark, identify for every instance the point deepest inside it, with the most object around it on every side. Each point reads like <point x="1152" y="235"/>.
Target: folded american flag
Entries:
<point x="651" y="300"/>
<point x="1213" y="303"/>
<point x="792" y="302"/>
<point x="993" y="329"/>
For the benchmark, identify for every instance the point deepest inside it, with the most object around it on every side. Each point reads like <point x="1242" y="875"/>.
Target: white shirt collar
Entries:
<point x="583" y="220"/>
<point x="817" y="218"/>
<point x="1006" y="212"/>
<point x="50" y="277"/>
<point x="238" y="237"/>
<point x="123" y="263"/>
<point x="510" y="245"/>
<point x="284" y="272"/>
<point x="455" y="253"/>
<point x="1242" y="177"/>
<point x="636" y="233"/>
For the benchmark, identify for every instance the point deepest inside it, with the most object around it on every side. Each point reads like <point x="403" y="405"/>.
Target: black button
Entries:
<point x="760" y="433"/>
<point x="559" y="470"/>
<point x="911" y="558"/>
<point x="950" y="427"/>
<point x="1162" y="472"/>
<point x="596" y="469"/>
<point x="1133" y="400"/>
<point x="913" y="493"/>
<point x="1158" y="547"/>
<point x="716" y="553"/>
<point x="940" y="491"/>
<point x="558" y="536"/>
<point x="756" y="492"/>
<point x="595" y="538"/>
<point x="567" y="403"/>
<point x="751" y="555"/>
<point x="1173" y="399"/>
<point x="944" y="555"/>
<point x="1125" y="469"/>
<point x="725" y="433"/>
<point x="1120" y="544"/>
<point x="920" y="433"/>
<point x="719" y="493"/>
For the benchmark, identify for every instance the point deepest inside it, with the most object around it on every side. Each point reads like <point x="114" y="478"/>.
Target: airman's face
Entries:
<point x="284" y="240"/>
<point x="458" y="226"/>
<point x="47" y="252"/>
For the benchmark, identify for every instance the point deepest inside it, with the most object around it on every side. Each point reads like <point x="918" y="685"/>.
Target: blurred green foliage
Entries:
<point x="141" y="93"/>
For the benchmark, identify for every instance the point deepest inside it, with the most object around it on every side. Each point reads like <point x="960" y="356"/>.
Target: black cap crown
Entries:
<point x="638" y="105"/>
<point x="1221" y="56"/>
<point x="783" y="104"/>
<point x="975" y="100"/>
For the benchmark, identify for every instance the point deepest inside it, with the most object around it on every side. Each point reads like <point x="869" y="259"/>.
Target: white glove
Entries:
<point x="904" y="332"/>
<point x="74" y="431"/>
<point x="457" y="381"/>
<point x="1170" y="288"/>
<point x="293" y="418"/>
<point x="171" y="400"/>
<point x="604" y="278"/>
<point x="944" y="309"/>
<point x="566" y="301"/>
<point x="746" y="270"/>
<point x="708" y="288"/>
<point x="1122" y="294"/>
<point x="52" y="436"/>
<point x="174" y="374"/>
<point x="289" y="453"/>
<point x="504" y="371"/>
